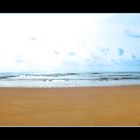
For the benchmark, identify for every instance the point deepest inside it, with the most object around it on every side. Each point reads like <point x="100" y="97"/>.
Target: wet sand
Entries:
<point x="94" y="106"/>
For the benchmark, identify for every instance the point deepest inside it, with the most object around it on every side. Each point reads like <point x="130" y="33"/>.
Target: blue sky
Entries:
<point x="69" y="42"/>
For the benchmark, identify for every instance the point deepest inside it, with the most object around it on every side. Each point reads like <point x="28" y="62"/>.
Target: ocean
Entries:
<point x="85" y="79"/>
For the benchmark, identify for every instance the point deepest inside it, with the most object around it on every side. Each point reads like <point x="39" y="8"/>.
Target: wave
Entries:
<point x="5" y="77"/>
<point x="70" y="79"/>
<point x="72" y="76"/>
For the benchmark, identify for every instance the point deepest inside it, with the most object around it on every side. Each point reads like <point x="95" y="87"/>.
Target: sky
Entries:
<point x="69" y="42"/>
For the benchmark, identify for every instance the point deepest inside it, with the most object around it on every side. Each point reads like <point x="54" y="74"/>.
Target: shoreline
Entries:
<point x="8" y="87"/>
<point x="79" y="106"/>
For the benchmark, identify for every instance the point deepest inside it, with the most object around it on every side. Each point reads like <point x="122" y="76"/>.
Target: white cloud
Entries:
<point x="48" y="42"/>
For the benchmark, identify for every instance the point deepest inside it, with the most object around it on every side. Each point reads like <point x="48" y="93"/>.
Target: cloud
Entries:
<point x="91" y="40"/>
<point x="105" y="50"/>
<point x="56" y="52"/>
<point x="33" y="38"/>
<point x="20" y="59"/>
<point x="90" y="62"/>
<point x="133" y="56"/>
<point x="72" y="53"/>
<point x="131" y="33"/>
<point x="113" y="61"/>
<point x="120" y="51"/>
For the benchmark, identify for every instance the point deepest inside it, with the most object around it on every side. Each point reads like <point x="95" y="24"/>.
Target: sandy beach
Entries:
<point x="85" y="106"/>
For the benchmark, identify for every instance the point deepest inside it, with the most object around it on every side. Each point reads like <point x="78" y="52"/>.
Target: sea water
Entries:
<point x="85" y="79"/>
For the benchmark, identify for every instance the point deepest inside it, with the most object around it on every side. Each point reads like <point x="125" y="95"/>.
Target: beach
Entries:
<point x="79" y="106"/>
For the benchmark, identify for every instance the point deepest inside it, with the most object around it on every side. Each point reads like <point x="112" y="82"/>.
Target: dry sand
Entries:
<point x="95" y="106"/>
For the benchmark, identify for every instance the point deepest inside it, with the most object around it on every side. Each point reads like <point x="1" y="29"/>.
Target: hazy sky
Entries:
<point x="69" y="42"/>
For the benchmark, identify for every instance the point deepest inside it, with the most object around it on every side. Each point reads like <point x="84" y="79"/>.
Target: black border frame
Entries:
<point x="69" y="6"/>
<point x="71" y="133"/>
